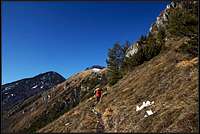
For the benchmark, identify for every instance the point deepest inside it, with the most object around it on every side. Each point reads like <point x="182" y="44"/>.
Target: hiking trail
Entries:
<point x="100" y="123"/>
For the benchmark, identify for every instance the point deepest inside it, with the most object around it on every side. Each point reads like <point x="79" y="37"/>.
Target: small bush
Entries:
<point x="190" y="47"/>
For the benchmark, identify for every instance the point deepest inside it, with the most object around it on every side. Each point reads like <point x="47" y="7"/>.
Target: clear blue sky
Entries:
<point x="67" y="37"/>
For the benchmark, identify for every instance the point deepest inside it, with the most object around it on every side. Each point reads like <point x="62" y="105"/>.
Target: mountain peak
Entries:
<point x="17" y="91"/>
<point x="95" y="67"/>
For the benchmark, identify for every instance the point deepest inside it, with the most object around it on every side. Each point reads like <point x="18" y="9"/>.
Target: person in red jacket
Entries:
<point x="98" y="94"/>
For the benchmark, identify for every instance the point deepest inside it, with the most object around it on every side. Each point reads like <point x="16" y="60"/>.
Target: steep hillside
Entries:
<point x="169" y="79"/>
<point x="56" y="101"/>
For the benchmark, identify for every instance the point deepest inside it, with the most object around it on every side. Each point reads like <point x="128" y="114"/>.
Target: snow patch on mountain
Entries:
<point x="96" y="69"/>
<point x="35" y="86"/>
<point x="7" y="88"/>
<point x="95" y="66"/>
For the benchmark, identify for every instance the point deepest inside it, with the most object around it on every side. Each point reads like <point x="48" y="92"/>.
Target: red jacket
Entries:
<point x="98" y="93"/>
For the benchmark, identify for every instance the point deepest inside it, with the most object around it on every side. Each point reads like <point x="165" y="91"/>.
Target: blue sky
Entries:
<point x="68" y="37"/>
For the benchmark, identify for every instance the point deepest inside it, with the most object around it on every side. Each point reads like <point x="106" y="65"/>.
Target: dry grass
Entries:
<point x="169" y="79"/>
<point x="188" y="63"/>
<point x="19" y="120"/>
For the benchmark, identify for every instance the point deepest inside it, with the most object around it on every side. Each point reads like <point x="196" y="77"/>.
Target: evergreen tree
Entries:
<point x="114" y="63"/>
<point x="161" y="36"/>
<point x="125" y="66"/>
<point x="183" y="23"/>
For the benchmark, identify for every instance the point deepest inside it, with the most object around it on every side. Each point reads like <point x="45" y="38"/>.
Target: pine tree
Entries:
<point x="114" y="63"/>
<point x="125" y="65"/>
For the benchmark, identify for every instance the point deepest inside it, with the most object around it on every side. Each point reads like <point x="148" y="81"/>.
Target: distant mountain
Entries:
<point x="95" y="67"/>
<point x="18" y="91"/>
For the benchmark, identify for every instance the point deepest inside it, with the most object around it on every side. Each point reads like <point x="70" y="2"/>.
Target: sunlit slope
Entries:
<point x="53" y="103"/>
<point x="169" y="79"/>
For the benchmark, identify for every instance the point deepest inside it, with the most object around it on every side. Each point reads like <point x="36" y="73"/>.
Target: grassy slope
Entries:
<point x="36" y="109"/>
<point x="20" y="120"/>
<point x="169" y="79"/>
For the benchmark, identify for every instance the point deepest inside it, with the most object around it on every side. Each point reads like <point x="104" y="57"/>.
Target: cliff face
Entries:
<point x="169" y="80"/>
<point x="160" y="22"/>
<point x="163" y="17"/>
<point x="132" y="50"/>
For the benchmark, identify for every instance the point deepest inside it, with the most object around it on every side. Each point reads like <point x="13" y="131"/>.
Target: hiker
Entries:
<point x="98" y="93"/>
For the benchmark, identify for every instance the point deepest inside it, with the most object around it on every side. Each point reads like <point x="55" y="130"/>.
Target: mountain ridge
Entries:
<point x="31" y="77"/>
<point x="17" y="92"/>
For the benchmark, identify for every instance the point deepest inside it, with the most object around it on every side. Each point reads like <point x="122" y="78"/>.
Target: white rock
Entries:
<point x="138" y="108"/>
<point x="144" y="104"/>
<point x="149" y="112"/>
<point x="168" y="6"/>
<point x="165" y="17"/>
<point x="66" y="124"/>
<point x="150" y="29"/>
<point x="133" y="49"/>
<point x="148" y="103"/>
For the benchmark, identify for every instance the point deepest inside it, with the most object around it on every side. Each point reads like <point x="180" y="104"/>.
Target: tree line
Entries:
<point x="181" y="22"/>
